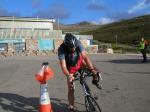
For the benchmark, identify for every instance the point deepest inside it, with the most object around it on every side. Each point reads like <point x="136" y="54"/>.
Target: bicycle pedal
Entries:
<point x="95" y="97"/>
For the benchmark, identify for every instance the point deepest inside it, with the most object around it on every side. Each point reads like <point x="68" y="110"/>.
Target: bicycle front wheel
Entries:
<point x="91" y="104"/>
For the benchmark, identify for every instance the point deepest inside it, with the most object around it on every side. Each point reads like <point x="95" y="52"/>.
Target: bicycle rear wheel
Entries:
<point x="91" y="105"/>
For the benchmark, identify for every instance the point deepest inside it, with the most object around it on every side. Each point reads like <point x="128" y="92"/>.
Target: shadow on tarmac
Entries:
<point x="147" y="73"/>
<point x="17" y="103"/>
<point x="128" y="61"/>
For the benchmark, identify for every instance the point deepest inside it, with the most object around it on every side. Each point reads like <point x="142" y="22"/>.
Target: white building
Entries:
<point x="26" y="23"/>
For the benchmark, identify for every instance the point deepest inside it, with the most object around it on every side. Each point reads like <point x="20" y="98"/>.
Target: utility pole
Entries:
<point x="58" y="23"/>
<point x="116" y="39"/>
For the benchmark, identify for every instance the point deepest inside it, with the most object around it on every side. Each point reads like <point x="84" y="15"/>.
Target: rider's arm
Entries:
<point x="63" y="67"/>
<point x="61" y="56"/>
<point x="65" y="70"/>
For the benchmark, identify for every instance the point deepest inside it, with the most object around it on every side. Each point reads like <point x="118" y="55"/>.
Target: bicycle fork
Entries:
<point x="86" y="90"/>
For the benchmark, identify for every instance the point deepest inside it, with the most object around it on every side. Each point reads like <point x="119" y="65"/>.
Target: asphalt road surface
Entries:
<point x="126" y="84"/>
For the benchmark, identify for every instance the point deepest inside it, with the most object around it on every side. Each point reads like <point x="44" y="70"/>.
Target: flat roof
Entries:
<point x="25" y="19"/>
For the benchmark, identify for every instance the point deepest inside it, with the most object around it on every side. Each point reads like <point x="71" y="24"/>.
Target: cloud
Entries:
<point x="56" y="11"/>
<point x="117" y="16"/>
<point x="4" y="12"/>
<point x="95" y="6"/>
<point x="105" y="20"/>
<point x="36" y="3"/>
<point x="147" y="2"/>
<point x="131" y="13"/>
<point x="140" y="5"/>
<point x="123" y="15"/>
<point x="59" y="11"/>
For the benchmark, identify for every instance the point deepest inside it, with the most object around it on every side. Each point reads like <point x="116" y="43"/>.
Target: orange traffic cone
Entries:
<point x="44" y="74"/>
<point x="48" y="73"/>
<point x="45" y="104"/>
<point x="39" y="76"/>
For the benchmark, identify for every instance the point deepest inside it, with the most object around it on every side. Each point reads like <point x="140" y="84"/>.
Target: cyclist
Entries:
<point x="72" y="57"/>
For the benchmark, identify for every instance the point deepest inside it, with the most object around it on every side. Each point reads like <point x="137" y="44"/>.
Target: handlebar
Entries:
<point x="77" y="76"/>
<point x="85" y="72"/>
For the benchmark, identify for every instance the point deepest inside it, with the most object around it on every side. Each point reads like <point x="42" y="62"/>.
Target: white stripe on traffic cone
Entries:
<point x="45" y="104"/>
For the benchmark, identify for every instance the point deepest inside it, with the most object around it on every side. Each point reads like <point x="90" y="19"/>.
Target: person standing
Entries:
<point x="143" y="48"/>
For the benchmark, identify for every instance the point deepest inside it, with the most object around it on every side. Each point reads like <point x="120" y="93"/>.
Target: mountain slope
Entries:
<point x="126" y="31"/>
<point x="78" y="27"/>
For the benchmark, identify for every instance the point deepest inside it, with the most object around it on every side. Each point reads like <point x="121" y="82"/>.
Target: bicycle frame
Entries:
<point x="82" y="80"/>
<point x="90" y="102"/>
<point x="85" y="89"/>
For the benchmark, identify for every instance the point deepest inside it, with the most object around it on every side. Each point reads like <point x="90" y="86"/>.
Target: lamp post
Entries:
<point x="58" y="23"/>
<point x="116" y="39"/>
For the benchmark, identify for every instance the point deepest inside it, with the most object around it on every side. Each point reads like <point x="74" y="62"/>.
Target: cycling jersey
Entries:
<point x="142" y="45"/>
<point x="72" y="59"/>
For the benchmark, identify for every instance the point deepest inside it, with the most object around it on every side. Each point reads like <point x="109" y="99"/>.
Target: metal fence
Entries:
<point x="29" y="33"/>
<point x="102" y="47"/>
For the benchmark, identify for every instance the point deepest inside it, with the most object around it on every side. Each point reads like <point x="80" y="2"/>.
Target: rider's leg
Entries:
<point x="70" y="94"/>
<point x="144" y="55"/>
<point x="95" y="69"/>
<point x="84" y="63"/>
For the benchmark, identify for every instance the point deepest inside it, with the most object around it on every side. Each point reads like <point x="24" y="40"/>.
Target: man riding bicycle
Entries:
<point x="72" y="56"/>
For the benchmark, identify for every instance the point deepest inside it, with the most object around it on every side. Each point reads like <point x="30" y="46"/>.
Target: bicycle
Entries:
<point x="90" y="102"/>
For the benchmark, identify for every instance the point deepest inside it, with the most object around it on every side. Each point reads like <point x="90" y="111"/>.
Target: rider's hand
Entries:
<point x="70" y="77"/>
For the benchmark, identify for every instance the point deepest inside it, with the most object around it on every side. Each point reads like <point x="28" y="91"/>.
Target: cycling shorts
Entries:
<point x="74" y="69"/>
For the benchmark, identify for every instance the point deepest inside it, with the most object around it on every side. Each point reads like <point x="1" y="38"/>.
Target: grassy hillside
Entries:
<point x="125" y="31"/>
<point x="123" y="34"/>
<point x="78" y="27"/>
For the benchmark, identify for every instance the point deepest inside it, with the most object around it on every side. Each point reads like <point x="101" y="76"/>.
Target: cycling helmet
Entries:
<point x="70" y="40"/>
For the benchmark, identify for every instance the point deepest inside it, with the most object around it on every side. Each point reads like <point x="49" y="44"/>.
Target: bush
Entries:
<point x="122" y="48"/>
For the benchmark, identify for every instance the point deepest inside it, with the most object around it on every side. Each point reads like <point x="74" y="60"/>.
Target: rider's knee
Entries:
<point x="70" y="90"/>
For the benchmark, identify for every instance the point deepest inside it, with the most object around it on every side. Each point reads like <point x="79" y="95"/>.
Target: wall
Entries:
<point x="45" y="44"/>
<point x="28" y="33"/>
<point x="36" y="42"/>
<point x="31" y="44"/>
<point x="23" y="24"/>
<point x="92" y="48"/>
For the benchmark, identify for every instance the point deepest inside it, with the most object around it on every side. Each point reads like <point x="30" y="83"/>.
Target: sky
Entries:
<point x="75" y="11"/>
